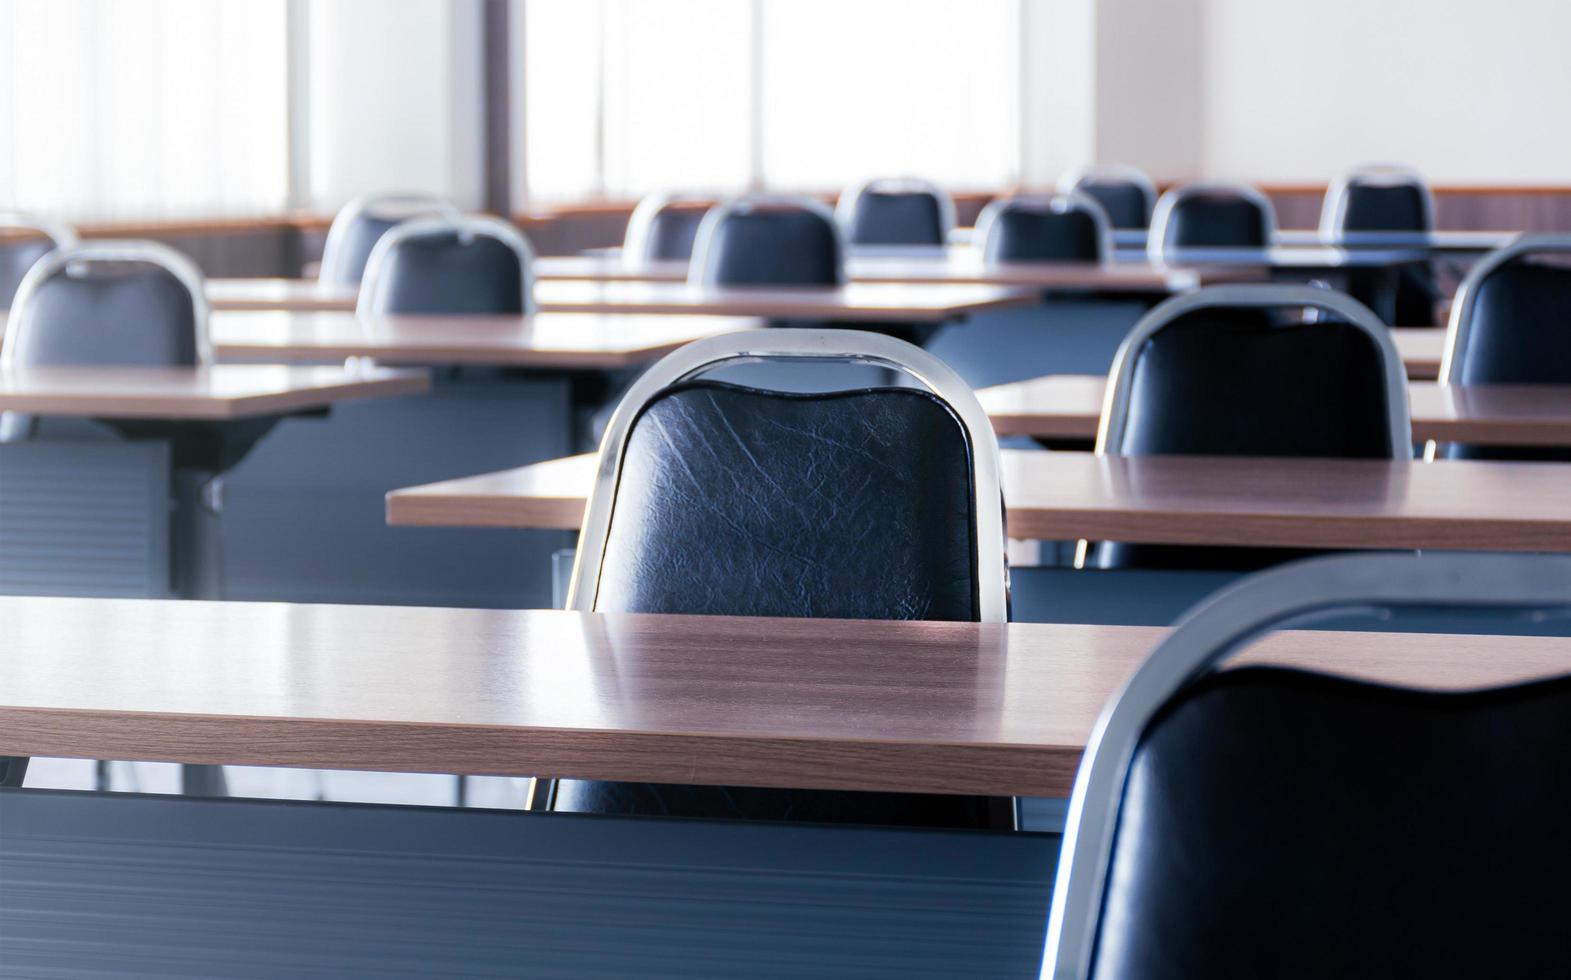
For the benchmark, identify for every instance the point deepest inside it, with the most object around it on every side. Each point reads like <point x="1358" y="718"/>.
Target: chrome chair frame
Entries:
<point x="845" y="206"/>
<point x="1060" y="203"/>
<point x="1157" y="247"/>
<point x="1115" y="403"/>
<point x="142" y="252"/>
<point x="409" y="205"/>
<point x="59" y="232"/>
<point x="700" y="269"/>
<point x="848" y="346"/>
<point x="1333" y="210"/>
<point x="1461" y="324"/>
<point x="1070" y="180"/>
<point x="635" y="242"/>
<point x="373" y="286"/>
<point x="1220" y="627"/>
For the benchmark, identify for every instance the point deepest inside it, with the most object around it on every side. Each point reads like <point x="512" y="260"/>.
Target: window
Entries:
<point x="125" y="109"/>
<point x="624" y="97"/>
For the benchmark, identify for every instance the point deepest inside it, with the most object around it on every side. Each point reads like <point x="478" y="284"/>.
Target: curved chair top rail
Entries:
<point x="395" y="205"/>
<point x="1073" y="202"/>
<point x="175" y="263"/>
<point x="1220" y="627"/>
<point x="845" y="207"/>
<point x="467" y="227"/>
<point x="1115" y="406"/>
<point x="1461" y="325"/>
<point x="58" y="232"/>
<point x="700" y="268"/>
<point x="639" y="223"/>
<point x="1070" y="180"/>
<point x="848" y="346"/>
<point x="1157" y="245"/>
<point x="1333" y="211"/>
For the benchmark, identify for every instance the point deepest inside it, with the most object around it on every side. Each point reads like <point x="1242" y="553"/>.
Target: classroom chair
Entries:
<point x="662" y="228"/>
<point x="1379" y="199"/>
<point x="360" y="223"/>
<point x="465" y="264"/>
<point x="1511" y="324"/>
<point x="768" y="241"/>
<point x="1251" y="370"/>
<point x="1125" y="193"/>
<point x="1266" y="821"/>
<point x="896" y="211"/>
<point x="1211" y="216"/>
<point x="24" y="239"/>
<point x="718" y="499"/>
<point x="1059" y="228"/>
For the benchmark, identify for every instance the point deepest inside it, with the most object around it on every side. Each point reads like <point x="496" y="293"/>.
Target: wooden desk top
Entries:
<point x="556" y="340"/>
<point x="303" y="295"/>
<point x="1421" y="349"/>
<point x="1434" y="241"/>
<point x="223" y="391"/>
<point x="1208" y="500"/>
<point x="1069" y="406"/>
<point x="1318" y="256"/>
<point x="901" y="706"/>
<point x="870" y="302"/>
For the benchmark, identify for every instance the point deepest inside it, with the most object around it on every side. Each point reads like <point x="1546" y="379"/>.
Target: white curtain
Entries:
<point x="131" y="109"/>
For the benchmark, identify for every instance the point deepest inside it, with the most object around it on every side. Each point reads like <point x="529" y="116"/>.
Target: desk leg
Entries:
<point x="203" y="781"/>
<point x="12" y="769"/>
<point x="198" y="553"/>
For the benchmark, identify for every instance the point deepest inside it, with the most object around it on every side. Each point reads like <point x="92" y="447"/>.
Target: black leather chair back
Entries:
<point x="1033" y="231"/>
<point x="1232" y="382"/>
<point x="1125" y="201"/>
<point x="359" y="238"/>
<point x="768" y="244"/>
<point x="363" y="222"/>
<point x="672" y="231"/>
<point x="735" y="501"/>
<point x="1283" y="824"/>
<point x="1385" y="207"/>
<point x="109" y="313"/>
<point x="1520" y="333"/>
<point x="1219" y="218"/>
<point x="19" y="249"/>
<point x="448" y="271"/>
<point x="883" y="217"/>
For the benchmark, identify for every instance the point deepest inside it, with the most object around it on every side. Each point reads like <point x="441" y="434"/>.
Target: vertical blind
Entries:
<point x="624" y="96"/>
<point x="124" y="109"/>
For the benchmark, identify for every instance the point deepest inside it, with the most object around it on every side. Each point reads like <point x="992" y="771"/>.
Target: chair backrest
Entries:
<point x="24" y="239"/>
<point x="663" y="228"/>
<point x="1377" y="198"/>
<point x="1125" y="193"/>
<point x="720" y="499"/>
<point x="1058" y="228"/>
<point x="109" y="303"/>
<point x="896" y="211"/>
<point x="361" y="223"/>
<point x="1264" y="821"/>
<point x="1211" y="216"/>
<point x="768" y="241"/>
<point x="469" y="264"/>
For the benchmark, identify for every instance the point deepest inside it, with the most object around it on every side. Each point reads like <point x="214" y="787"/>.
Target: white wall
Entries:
<point x="394" y="99"/>
<point x="1465" y="90"/>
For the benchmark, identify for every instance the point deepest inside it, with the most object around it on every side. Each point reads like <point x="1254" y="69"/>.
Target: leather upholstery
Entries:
<point x="1283" y="824"/>
<point x="17" y="255"/>
<point x="672" y="232"/>
<point x="1023" y="233"/>
<point x="1520" y="334"/>
<point x="1239" y="383"/>
<point x="773" y="246"/>
<point x="1126" y="203"/>
<point x="1218" y="219"/>
<point x="355" y="246"/>
<point x="126" y="313"/>
<point x="1375" y="207"/>
<point x="735" y="501"/>
<point x="897" y="218"/>
<point x="451" y="272"/>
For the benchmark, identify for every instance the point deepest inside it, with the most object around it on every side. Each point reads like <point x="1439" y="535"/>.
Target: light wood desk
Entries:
<point x="899" y="706"/>
<point x="864" y="302"/>
<point x="1421" y="349"/>
<point x="1069" y="406"/>
<point x="1291" y="503"/>
<point x="1441" y="242"/>
<point x="279" y="294"/>
<point x="217" y="392"/>
<point x="547" y="340"/>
